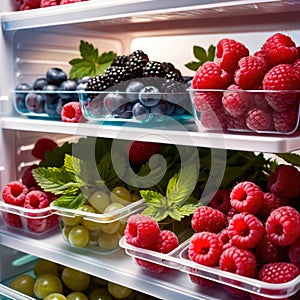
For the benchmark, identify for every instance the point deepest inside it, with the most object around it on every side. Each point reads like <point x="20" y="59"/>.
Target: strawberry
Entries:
<point x="42" y="146"/>
<point x="140" y="152"/>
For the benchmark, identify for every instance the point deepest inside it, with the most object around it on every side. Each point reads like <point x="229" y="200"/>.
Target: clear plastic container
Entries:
<point x="178" y="259"/>
<point x="95" y="232"/>
<point x="247" y="111"/>
<point x="32" y="222"/>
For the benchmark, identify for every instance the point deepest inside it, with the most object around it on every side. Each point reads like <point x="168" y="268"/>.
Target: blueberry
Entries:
<point x="149" y="96"/>
<point x="35" y="102"/>
<point x="84" y="79"/>
<point x="81" y="86"/>
<point x="39" y="84"/>
<point x="68" y="85"/>
<point x="52" y="96"/>
<point x="95" y="108"/>
<point x="114" y="103"/>
<point x="179" y="110"/>
<point x="56" y="76"/>
<point x="51" y="109"/>
<point x="141" y="112"/>
<point x="133" y="89"/>
<point x="161" y="108"/>
<point x="60" y="104"/>
<point x="20" y="96"/>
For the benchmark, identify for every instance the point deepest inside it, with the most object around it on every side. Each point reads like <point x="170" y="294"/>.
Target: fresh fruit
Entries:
<point x="39" y="84"/>
<point x="167" y="241"/>
<point x="75" y="280"/>
<point x="283" y="226"/>
<point x="99" y="200"/>
<point x="14" y="193"/>
<point x="35" y="103"/>
<point x="27" y="177"/>
<point x="43" y="266"/>
<point x="221" y="201"/>
<point x="77" y="296"/>
<point x="42" y="146"/>
<point x="139" y="152"/>
<point x="120" y="194"/>
<point x="55" y="296"/>
<point x="149" y="96"/>
<point x="47" y="284"/>
<point x="118" y="291"/>
<point x="294" y="253"/>
<point x="71" y="112"/>
<point x="24" y="284"/>
<point x="36" y="200"/>
<point x="56" y="76"/>
<point x="205" y="248"/>
<point x="78" y="236"/>
<point x="65" y="86"/>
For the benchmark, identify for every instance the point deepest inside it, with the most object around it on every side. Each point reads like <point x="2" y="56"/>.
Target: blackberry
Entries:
<point x="168" y="67"/>
<point x="118" y="74"/>
<point x="174" y="91"/>
<point x="120" y="60"/>
<point x="98" y="83"/>
<point x="137" y="60"/>
<point x="154" y="69"/>
<point x="174" y="75"/>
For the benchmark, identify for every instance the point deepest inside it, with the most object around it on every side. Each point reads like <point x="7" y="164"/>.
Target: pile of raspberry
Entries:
<point x="32" y="4"/>
<point x="250" y="232"/>
<point x="27" y="194"/>
<point x="254" y="92"/>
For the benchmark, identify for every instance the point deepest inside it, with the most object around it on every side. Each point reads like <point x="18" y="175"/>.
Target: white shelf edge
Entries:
<point x="117" y="267"/>
<point x="243" y="142"/>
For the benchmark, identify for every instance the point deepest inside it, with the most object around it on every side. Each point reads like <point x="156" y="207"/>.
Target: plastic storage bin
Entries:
<point x="247" y="111"/>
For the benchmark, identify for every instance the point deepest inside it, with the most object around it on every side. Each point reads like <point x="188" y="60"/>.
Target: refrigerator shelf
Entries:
<point x="184" y="135"/>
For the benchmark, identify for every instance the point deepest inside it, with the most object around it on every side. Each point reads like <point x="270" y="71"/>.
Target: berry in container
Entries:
<point x="248" y="92"/>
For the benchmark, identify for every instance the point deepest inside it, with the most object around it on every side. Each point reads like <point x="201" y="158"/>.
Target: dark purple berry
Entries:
<point x="114" y="103"/>
<point x="50" y="94"/>
<point x="149" y="96"/>
<point x="56" y="76"/>
<point x="141" y="112"/>
<point x="51" y="109"/>
<point x="133" y="89"/>
<point x="21" y="95"/>
<point x="66" y="86"/>
<point x="35" y="103"/>
<point x="39" y="84"/>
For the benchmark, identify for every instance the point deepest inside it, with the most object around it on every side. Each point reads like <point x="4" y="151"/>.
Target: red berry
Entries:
<point x="221" y="201"/>
<point x="14" y="193"/>
<point x="280" y="48"/>
<point x="167" y="241"/>
<point x="205" y="248"/>
<point x="239" y="261"/>
<point x="202" y="281"/>
<point x="36" y="199"/>
<point x="294" y="253"/>
<point x="286" y="121"/>
<point x="71" y="112"/>
<point x="210" y="76"/>
<point x="246" y="196"/>
<point x="283" y="226"/>
<point x="245" y="230"/>
<point x="27" y="177"/>
<point x="259" y="119"/>
<point x="12" y="219"/>
<point x="205" y="101"/>
<point x="284" y="182"/>
<point x="47" y="3"/>
<point x="250" y="72"/>
<point x="278" y="272"/>
<point x="62" y="2"/>
<point x="141" y="231"/>
<point x="229" y="52"/>
<point x="296" y="64"/>
<point x="153" y="267"/>
<point x="139" y="152"/>
<point x="236" y="122"/>
<point x="29" y="4"/>
<point x="206" y="218"/>
<point x="42" y="146"/>
<point x="214" y="119"/>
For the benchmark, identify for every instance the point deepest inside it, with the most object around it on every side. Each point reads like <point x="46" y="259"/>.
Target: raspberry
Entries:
<point x="278" y="272"/>
<point x="29" y="4"/>
<point x="271" y="202"/>
<point x="214" y="119"/>
<point x="210" y="76"/>
<point x="236" y="122"/>
<point x="36" y="199"/>
<point x="223" y="236"/>
<point x="221" y="201"/>
<point x="258" y="297"/>
<point x="235" y="293"/>
<point x="167" y="241"/>
<point x="245" y="230"/>
<point x="153" y="267"/>
<point x="205" y="248"/>
<point x="47" y="3"/>
<point x="14" y="193"/>
<point x="246" y="196"/>
<point x="267" y="252"/>
<point x="286" y="121"/>
<point x="283" y="226"/>
<point x="41" y="146"/>
<point x="202" y="281"/>
<point x="228" y="54"/>
<point x="62" y="2"/>
<point x="279" y="49"/>
<point x="12" y="220"/>
<point x="250" y="72"/>
<point x="259" y="120"/>
<point x="294" y="253"/>
<point x="284" y="182"/>
<point x="139" y="152"/>
<point x="296" y="64"/>
<point x="71" y="112"/>
<point x="235" y="102"/>
<point x="206" y="218"/>
<point x="204" y="101"/>
<point x="141" y="231"/>
<point x="239" y="261"/>
<point x="281" y="77"/>
<point x="27" y="177"/>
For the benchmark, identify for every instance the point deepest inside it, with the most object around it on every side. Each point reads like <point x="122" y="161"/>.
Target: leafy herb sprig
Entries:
<point x="91" y="63"/>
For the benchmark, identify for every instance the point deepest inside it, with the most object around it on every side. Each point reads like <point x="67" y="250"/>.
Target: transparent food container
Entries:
<point x="32" y="222"/>
<point x="96" y="232"/>
<point x="247" y="111"/>
<point x="210" y="276"/>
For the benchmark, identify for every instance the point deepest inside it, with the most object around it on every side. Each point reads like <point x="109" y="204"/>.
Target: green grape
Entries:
<point x="55" y="296"/>
<point x="120" y="194"/>
<point x="77" y="296"/>
<point x="135" y="197"/>
<point x="88" y="224"/>
<point x="118" y="291"/>
<point x="47" y="284"/>
<point x="100" y="294"/>
<point x="99" y="281"/>
<point x="79" y="236"/>
<point x="115" y="206"/>
<point x="44" y="266"/>
<point x="75" y="280"/>
<point x="110" y="227"/>
<point x="24" y="284"/>
<point x="99" y="200"/>
<point x="71" y="220"/>
<point x="108" y="241"/>
<point x="66" y="231"/>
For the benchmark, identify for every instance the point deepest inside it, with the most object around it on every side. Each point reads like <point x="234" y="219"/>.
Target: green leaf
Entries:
<point x="151" y="196"/>
<point x="199" y="53"/>
<point x="291" y="158"/>
<point x="211" y="53"/>
<point x="156" y="212"/>
<point x="70" y="201"/>
<point x="193" y="65"/>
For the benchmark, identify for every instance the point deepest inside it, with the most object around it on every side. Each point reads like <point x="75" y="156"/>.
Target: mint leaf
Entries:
<point x="199" y="53"/>
<point x="151" y="196"/>
<point x="90" y="63"/>
<point x="156" y="211"/>
<point x="291" y="158"/>
<point x="70" y="201"/>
